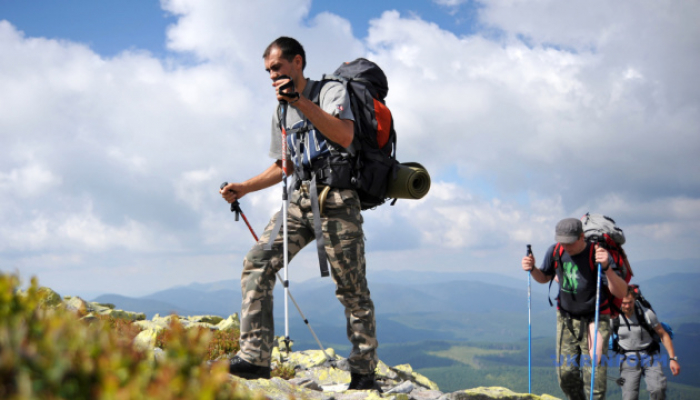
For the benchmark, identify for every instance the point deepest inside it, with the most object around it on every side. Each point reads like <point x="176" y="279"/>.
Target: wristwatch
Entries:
<point x="675" y="358"/>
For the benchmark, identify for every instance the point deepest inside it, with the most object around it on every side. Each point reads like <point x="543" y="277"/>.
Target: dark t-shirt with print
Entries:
<point x="577" y="281"/>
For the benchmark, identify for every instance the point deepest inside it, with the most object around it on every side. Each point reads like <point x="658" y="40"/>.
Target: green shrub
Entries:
<point x="284" y="371"/>
<point x="219" y="343"/>
<point x="48" y="353"/>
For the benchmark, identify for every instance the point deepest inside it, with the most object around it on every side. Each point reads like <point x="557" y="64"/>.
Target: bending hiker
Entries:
<point x="641" y="351"/>
<point x="573" y="261"/>
<point x="330" y="126"/>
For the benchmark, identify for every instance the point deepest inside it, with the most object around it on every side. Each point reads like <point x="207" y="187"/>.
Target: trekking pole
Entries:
<point x="529" y="326"/>
<point x="236" y="208"/>
<point x="595" y="330"/>
<point x="283" y="108"/>
<point x="285" y="173"/>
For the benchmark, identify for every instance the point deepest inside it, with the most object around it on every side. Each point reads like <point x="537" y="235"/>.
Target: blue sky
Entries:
<point x="119" y="120"/>
<point x="109" y="27"/>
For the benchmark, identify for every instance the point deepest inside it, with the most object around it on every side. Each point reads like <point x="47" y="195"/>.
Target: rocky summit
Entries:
<point x="318" y="374"/>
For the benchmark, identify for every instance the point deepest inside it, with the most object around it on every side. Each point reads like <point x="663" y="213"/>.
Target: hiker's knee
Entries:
<point x="656" y="384"/>
<point x="258" y="272"/>
<point x="569" y="377"/>
<point x="357" y="302"/>
<point x="657" y="394"/>
<point x="261" y="260"/>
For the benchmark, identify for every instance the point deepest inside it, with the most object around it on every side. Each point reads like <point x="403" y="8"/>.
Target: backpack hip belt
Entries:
<point x="333" y="171"/>
<point x="652" y="349"/>
<point x="578" y="317"/>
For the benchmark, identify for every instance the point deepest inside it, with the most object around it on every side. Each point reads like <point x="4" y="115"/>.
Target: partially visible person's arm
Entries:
<point x="668" y="344"/>
<point x="271" y="176"/>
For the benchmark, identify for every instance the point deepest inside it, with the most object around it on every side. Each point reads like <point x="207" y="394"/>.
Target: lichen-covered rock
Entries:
<point x="320" y="374"/>
<point x="76" y="304"/>
<point x="326" y="377"/>
<point x="403" y="370"/>
<point x="306" y="383"/>
<point x="311" y="358"/>
<point x="489" y="393"/>
<point x="146" y="339"/>
<point x="48" y="297"/>
<point x="423" y="381"/>
<point x="404" y="387"/>
<point x="384" y="371"/>
<point x="125" y="315"/>
<point x="207" y="319"/>
<point x="229" y="323"/>
<point x="149" y="324"/>
<point x="100" y="308"/>
<point x="279" y="389"/>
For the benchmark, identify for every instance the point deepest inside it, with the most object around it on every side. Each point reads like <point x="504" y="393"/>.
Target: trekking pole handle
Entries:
<point x="235" y="206"/>
<point x="529" y="250"/>
<point x="293" y="94"/>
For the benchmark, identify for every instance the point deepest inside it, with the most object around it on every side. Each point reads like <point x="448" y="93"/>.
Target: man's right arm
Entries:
<point x="271" y="176"/>
<point x="528" y="264"/>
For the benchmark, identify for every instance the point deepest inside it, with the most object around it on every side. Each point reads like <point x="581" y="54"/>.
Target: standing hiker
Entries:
<point x="573" y="261"/>
<point x="326" y="126"/>
<point x="641" y="351"/>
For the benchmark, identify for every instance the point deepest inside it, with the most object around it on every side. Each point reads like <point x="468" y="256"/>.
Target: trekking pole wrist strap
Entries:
<point x="293" y="95"/>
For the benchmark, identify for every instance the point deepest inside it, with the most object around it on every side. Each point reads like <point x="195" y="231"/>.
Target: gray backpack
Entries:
<point x="602" y="230"/>
<point x="596" y="226"/>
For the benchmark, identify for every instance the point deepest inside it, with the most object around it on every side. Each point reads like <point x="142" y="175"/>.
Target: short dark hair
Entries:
<point x="289" y="47"/>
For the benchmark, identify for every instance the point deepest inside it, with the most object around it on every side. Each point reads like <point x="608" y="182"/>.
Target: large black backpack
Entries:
<point x="369" y="163"/>
<point x="373" y="150"/>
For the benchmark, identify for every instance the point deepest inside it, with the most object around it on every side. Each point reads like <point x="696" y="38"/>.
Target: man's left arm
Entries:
<point x="340" y="131"/>
<point x="668" y="344"/>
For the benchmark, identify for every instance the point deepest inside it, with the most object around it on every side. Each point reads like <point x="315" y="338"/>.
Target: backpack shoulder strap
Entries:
<point x="616" y="323"/>
<point x="556" y="256"/>
<point x="654" y="347"/>
<point x="606" y="304"/>
<point x="639" y="310"/>
<point x="315" y="92"/>
<point x="627" y="322"/>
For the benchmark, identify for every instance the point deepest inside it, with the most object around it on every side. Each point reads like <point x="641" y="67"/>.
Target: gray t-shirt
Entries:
<point x="636" y="338"/>
<point x="333" y="99"/>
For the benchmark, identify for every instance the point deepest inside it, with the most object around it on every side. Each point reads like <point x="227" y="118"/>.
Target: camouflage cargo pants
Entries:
<point x="574" y="362"/>
<point x="344" y="243"/>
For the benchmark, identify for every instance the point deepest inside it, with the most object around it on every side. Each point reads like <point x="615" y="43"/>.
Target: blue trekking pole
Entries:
<point x="529" y="326"/>
<point x="594" y="359"/>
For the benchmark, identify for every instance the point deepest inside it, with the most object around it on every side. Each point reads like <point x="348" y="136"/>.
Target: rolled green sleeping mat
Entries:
<point x="412" y="182"/>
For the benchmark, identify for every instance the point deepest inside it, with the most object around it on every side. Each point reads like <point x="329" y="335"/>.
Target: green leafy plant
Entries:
<point x="49" y="353"/>
<point x="220" y="342"/>
<point x="284" y="371"/>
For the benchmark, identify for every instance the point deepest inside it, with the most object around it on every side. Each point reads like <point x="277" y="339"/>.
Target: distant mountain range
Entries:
<point x="412" y="306"/>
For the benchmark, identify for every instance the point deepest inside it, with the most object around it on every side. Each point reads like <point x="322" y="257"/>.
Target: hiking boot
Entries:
<point x="244" y="369"/>
<point x="363" y="382"/>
